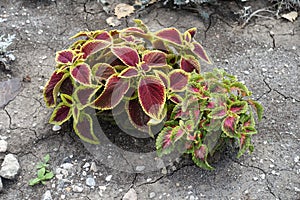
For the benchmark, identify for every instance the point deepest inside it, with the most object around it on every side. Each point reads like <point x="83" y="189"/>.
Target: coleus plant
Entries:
<point x="140" y="70"/>
<point x="215" y="109"/>
<point x="146" y="74"/>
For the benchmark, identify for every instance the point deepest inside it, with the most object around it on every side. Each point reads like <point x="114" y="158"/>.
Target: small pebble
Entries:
<point x="149" y="179"/>
<point x="77" y="188"/>
<point x="296" y="159"/>
<point x="262" y="176"/>
<point x="62" y="196"/>
<point x="3" y="146"/>
<point x="297" y="189"/>
<point x="67" y="166"/>
<point x="27" y="21"/>
<point x="152" y="195"/>
<point x="47" y="195"/>
<point x="93" y="167"/>
<point x="140" y="168"/>
<point x="86" y="165"/>
<point x="271" y="165"/>
<point x="108" y="178"/>
<point x="246" y="72"/>
<point x="90" y="182"/>
<point x="164" y="171"/>
<point x="255" y="178"/>
<point x="56" y="128"/>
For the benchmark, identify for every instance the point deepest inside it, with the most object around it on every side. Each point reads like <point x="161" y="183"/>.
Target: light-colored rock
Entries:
<point x="56" y="128"/>
<point x="1" y="185"/>
<point x="90" y="182"/>
<point x="140" y="168"/>
<point x="10" y="167"/>
<point x="3" y="146"/>
<point x="93" y="167"/>
<point x="108" y="178"/>
<point x="77" y="188"/>
<point x="47" y="195"/>
<point x="86" y="165"/>
<point x="67" y="166"/>
<point x="130" y="195"/>
<point x="152" y="195"/>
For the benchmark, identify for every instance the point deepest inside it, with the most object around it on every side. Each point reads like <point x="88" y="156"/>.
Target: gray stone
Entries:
<point x="1" y="185"/>
<point x="140" y="168"/>
<point x="10" y="167"/>
<point x="3" y="146"/>
<point x="108" y="178"/>
<point x="77" y="188"/>
<point x="67" y="166"/>
<point x="90" y="182"/>
<point x="47" y="195"/>
<point x="93" y="167"/>
<point x="130" y="195"/>
<point x="152" y="195"/>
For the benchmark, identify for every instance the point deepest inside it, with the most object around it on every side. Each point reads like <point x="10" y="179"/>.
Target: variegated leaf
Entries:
<point x="170" y="34"/>
<point x="137" y="116"/>
<point x="102" y="71"/>
<point x="178" y="80"/>
<point x="65" y="56"/>
<point x="81" y="73"/>
<point x="127" y="55"/>
<point x="152" y="96"/>
<point x="52" y="87"/>
<point x="200" y="52"/>
<point x="61" y="113"/>
<point x="114" y="91"/>
<point x="189" y="63"/>
<point x="84" y="128"/>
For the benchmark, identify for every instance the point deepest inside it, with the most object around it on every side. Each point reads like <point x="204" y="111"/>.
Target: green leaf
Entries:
<point x="48" y="176"/>
<point x="41" y="173"/>
<point x="34" y="181"/>
<point x="46" y="158"/>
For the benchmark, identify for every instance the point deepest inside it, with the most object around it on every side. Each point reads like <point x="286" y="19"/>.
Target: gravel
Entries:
<point x="10" y="167"/>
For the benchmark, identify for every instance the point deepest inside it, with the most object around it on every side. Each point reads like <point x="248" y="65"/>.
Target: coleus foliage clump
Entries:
<point x="148" y="75"/>
<point x="215" y="110"/>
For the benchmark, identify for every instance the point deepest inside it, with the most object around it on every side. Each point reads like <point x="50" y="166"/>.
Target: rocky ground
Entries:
<point x="265" y="55"/>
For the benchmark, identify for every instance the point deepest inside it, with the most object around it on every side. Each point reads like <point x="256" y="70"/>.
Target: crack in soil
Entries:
<point x="263" y="171"/>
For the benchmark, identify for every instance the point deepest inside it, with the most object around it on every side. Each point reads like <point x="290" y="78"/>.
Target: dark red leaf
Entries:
<point x="129" y="72"/>
<point x="67" y="86"/>
<point x="65" y="56"/>
<point x="137" y="116"/>
<point x="155" y="59"/>
<point x="178" y="80"/>
<point x="127" y="55"/>
<point x="170" y="35"/>
<point x="189" y="64"/>
<point x="152" y="96"/>
<point x="84" y="94"/>
<point x="114" y="90"/>
<point x="81" y="73"/>
<point x="84" y="129"/>
<point x="103" y="71"/>
<point x="60" y="114"/>
<point x="200" y="52"/>
<point x="93" y="46"/>
<point x="103" y="36"/>
<point x="52" y="87"/>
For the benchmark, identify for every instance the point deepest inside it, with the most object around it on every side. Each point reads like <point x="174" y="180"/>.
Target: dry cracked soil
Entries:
<point x="265" y="55"/>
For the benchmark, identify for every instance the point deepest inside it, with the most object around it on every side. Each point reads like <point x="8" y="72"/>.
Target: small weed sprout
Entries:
<point x="43" y="173"/>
